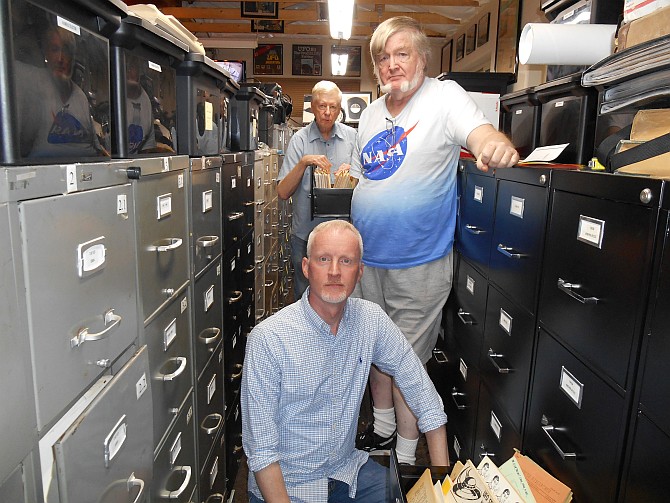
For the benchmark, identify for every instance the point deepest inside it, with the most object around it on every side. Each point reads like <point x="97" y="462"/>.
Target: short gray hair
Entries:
<point x="392" y="26"/>
<point x="333" y="224"/>
<point x="325" y="87"/>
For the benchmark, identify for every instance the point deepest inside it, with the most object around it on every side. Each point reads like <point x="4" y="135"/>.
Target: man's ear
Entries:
<point x="305" y="268"/>
<point x="360" y="271"/>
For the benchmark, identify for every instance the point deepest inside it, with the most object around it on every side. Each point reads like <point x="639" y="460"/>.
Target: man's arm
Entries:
<point x="290" y="183"/>
<point x="437" y="446"/>
<point x="271" y="483"/>
<point x="491" y="148"/>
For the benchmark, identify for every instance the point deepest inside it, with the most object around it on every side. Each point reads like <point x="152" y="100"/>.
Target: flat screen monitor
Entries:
<point x="236" y="68"/>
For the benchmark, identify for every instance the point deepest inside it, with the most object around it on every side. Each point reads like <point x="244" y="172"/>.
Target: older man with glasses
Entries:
<point x="404" y="205"/>
<point x="326" y="144"/>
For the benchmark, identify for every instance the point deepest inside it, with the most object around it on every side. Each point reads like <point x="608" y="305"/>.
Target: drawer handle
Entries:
<point x="215" y="497"/>
<point x="548" y="430"/>
<point x="508" y="251"/>
<point x="135" y="482"/>
<point x="209" y="335"/>
<point x="173" y="495"/>
<point x="473" y="229"/>
<point x="496" y="356"/>
<point x="462" y="316"/>
<point x="235" y="377"/>
<point x="207" y="241"/>
<point x="167" y="244"/>
<point x="483" y="453"/>
<point x="249" y="203"/>
<point x="569" y="289"/>
<point x="456" y="394"/>
<point x="440" y="356"/>
<point x="269" y="284"/>
<point x="250" y="269"/>
<point x="237" y="298"/>
<point x="84" y="335"/>
<point x="236" y="215"/>
<point x="181" y="360"/>
<point x="211" y="429"/>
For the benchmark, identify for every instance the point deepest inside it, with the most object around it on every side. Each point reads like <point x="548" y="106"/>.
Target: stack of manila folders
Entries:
<point x="342" y="179"/>
<point x="518" y="480"/>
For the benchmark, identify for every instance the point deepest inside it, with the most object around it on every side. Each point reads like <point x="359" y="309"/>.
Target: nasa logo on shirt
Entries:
<point x="383" y="155"/>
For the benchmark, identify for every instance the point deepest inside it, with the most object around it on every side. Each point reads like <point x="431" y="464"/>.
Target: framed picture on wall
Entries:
<point x="445" y="66"/>
<point x="267" y="25"/>
<point x="354" y="60"/>
<point x="470" y="39"/>
<point x="307" y="59"/>
<point x="259" y="9"/>
<point x="507" y="39"/>
<point x="268" y="59"/>
<point x="483" y="29"/>
<point x="460" y="47"/>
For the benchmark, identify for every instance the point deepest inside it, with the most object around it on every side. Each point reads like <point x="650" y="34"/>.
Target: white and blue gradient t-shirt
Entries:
<point x="405" y="202"/>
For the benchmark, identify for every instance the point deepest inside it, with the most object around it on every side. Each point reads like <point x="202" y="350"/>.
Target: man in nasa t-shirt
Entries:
<point x="404" y="205"/>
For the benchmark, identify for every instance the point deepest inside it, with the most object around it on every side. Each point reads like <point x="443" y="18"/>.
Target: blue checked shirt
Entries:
<point x="302" y="389"/>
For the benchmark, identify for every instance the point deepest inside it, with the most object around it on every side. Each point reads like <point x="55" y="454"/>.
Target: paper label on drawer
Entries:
<point x="211" y="388"/>
<point x="175" y="449"/>
<point x="155" y="66"/>
<point x="457" y="447"/>
<point x="71" y="177"/>
<point x="470" y="285"/>
<point x="209" y="114"/>
<point x="505" y="321"/>
<point x="478" y="194"/>
<point x="516" y="206"/>
<point x="169" y="334"/>
<point x="591" y="231"/>
<point x="233" y="182"/>
<point x="164" y="205"/>
<point x="184" y="304"/>
<point x="166" y="163"/>
<point x="207" y="201"/>
<point x="572" y="387"/>
<point x="232" y="264"/>
<point x="213" y="473"/>
<point x="209" y="298"/>
<point x="180" y="181"/>
<point x="122" y="204"/>
<point x="463" y="368"/>
<point x="234" y="341"/>
<point x="496" y="426"/>
<point x="218" y="177"/>
<point x="115" y="439"/>
<point x="558" y="104"/>
<point x="518" y="112"/>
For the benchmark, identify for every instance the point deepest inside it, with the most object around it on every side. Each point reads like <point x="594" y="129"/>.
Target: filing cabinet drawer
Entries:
<point x="575" y="423"/>
<point x="209" y="405"/>
<point x="205" y="215"/>
<point x="595" y="278"/>
<point x="477" y="205"/>
<point x="507" y="353"/>
<point x="471" y="290"/>
<point x="207" y="316"/>
<point x="169" y="341"/>
<point x="496" y="436"/>
<point x="518" y="237"/>
<point x="461" y="406"/>
<point x="175" y="472"/>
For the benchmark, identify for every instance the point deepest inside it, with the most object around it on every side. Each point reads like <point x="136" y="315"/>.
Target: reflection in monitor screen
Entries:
<point x="237" y="69"/>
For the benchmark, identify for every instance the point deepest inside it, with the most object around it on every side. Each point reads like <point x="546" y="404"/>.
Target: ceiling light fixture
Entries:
<point x="340" y="14"/>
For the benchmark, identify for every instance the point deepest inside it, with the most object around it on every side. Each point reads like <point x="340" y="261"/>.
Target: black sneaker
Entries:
<point x="370" y="442"/>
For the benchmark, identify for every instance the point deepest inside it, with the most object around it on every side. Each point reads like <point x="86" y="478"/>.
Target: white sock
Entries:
<point x="406" y="450"/>
<point x="384" y="421"/>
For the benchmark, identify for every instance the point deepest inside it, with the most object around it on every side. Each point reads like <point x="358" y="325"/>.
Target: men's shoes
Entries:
<point x="369" y="441"/>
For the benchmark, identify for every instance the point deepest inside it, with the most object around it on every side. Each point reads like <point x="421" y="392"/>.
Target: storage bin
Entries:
<point x="144" y="89"/>
<point x="330" y="202"/>
<point x="54" y="80"/>
<point x="568" y="115"/>
<point x="520" y="120"/>
<point x="201" y="110"/>
<point x="245" y="120"/>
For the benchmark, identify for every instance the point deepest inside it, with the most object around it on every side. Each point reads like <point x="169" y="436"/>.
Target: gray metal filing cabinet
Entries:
<point x="593" y="300"/>
<point x="162" y="195"/>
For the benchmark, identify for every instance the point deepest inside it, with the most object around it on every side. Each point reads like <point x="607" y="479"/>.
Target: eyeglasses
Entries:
<point x="390" y="130"/>
<point x="332" y="108"/>
<point x="384" y="61"/>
